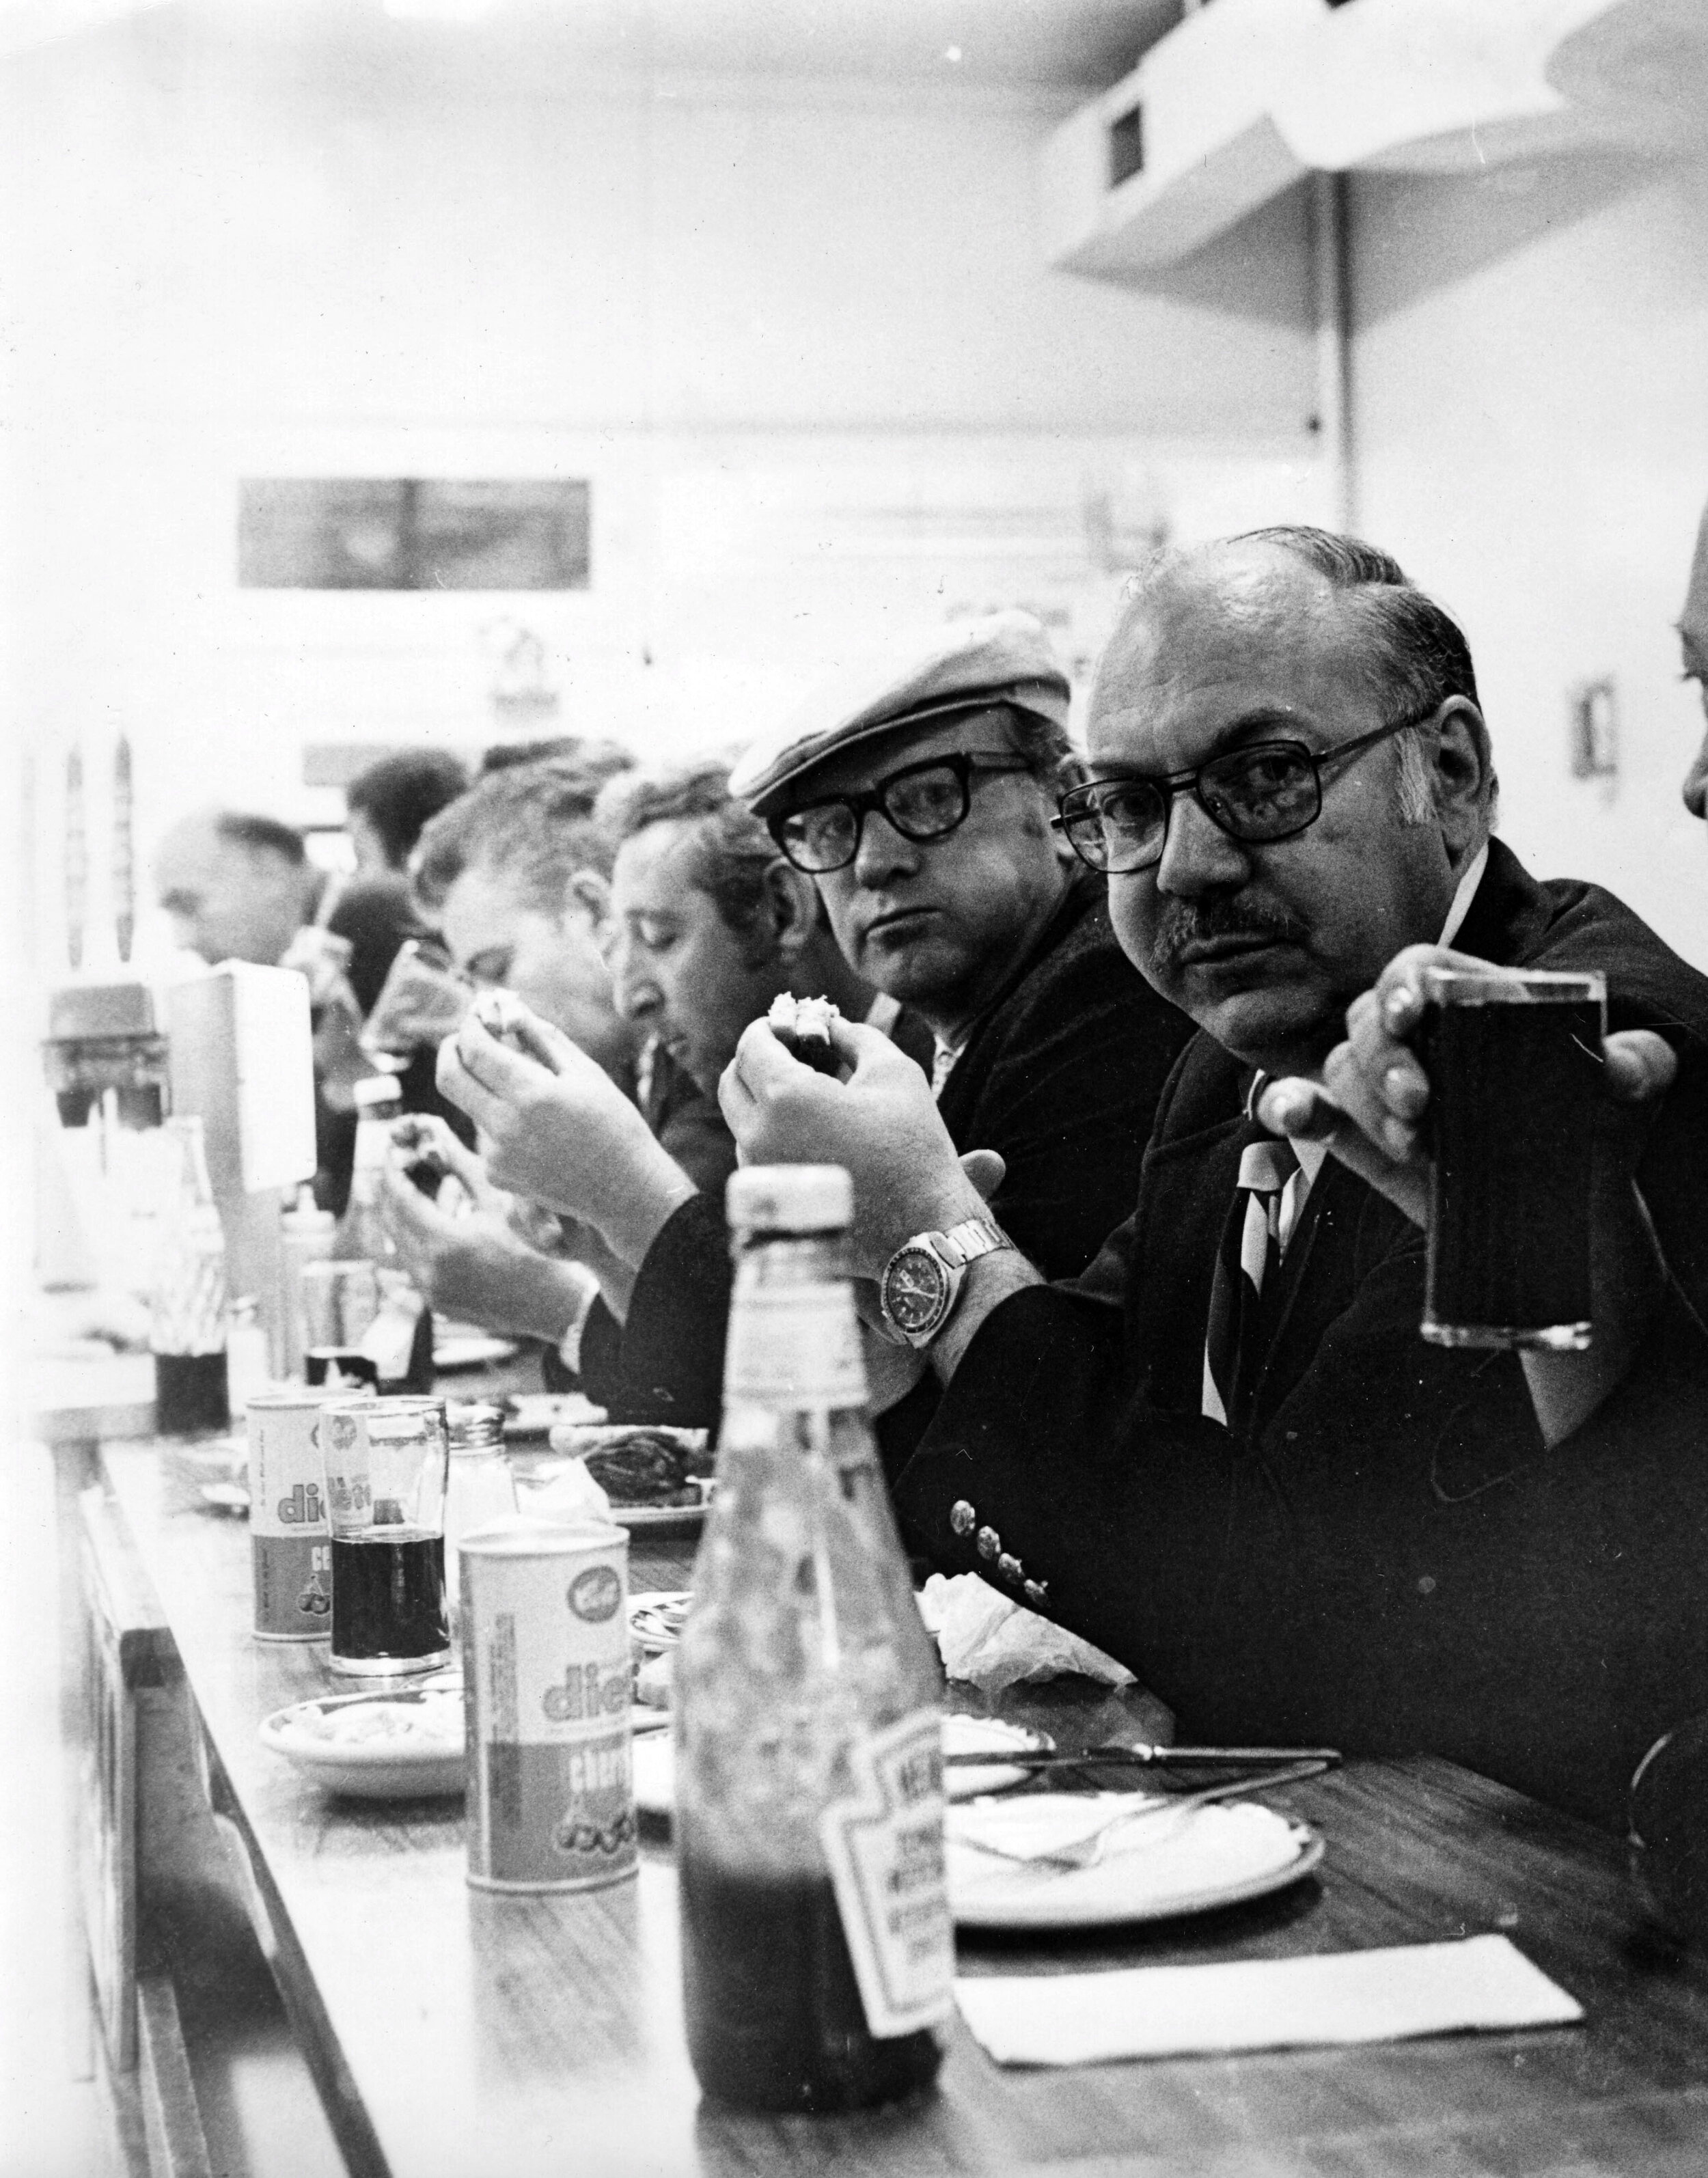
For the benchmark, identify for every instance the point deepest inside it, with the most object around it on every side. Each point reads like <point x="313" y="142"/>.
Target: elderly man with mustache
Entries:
<point x="1292" y="1517"/>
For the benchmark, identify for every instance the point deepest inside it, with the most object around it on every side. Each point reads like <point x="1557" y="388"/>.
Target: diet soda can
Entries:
<point x="289" y="1539"/>
<point x="546" y="1685"/>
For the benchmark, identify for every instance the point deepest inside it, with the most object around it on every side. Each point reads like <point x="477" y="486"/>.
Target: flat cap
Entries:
<point x="963" y="667"/>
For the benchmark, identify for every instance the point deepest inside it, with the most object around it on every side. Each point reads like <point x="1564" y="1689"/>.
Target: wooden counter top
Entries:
<point x="459" y="2034"/>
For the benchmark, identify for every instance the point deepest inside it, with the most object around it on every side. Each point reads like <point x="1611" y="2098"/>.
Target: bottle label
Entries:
<point x="795" y="1346"/>
<point x="883" y="1845"/>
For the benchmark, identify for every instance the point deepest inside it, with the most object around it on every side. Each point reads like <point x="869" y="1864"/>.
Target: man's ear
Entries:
<point x="1462" y="773"/>
<point x="591" y="893"/>
<point x="793" y="900"/>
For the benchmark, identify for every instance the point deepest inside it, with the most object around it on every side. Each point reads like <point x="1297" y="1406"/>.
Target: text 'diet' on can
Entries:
<point x="289" y="1539"/>
<point x="546" y="1683"/>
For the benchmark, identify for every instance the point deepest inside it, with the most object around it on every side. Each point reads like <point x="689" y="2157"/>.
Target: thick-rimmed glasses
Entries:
<point x="924" y="800"/>
<point x="1257" y="794"/>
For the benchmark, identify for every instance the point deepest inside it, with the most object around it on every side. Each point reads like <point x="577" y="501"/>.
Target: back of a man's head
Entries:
<point x="732" y="849"/>
<point x="397" y="797"/>
<point x="533" y="824"/>
<point x="236" y="884"/>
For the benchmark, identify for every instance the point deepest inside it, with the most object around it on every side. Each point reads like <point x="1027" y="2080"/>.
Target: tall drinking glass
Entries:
<point x="385" y="1462"/>
<point x="1514" y="1065"/>
<point x="421" y="1002"/>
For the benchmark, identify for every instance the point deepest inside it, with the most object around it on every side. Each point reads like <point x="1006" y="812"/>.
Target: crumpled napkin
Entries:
<point x="562" y="1489"/>
<point x="1386" y="1995"/>
<point x="994" y="1643"/>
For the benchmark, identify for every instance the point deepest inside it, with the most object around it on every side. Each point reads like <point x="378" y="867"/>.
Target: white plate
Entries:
<point x="655" y="1617"/>
<point x="686" y="1519"/>
<point x="656" y="1776"/>
<point x="473" y="1353"/>
<point x="388" y="1768"/>
<point x="1189" y="1861"/>
<point x="391" y="1769"/>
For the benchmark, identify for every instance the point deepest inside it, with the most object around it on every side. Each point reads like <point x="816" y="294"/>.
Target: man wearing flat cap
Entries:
<point x="916" y="788"/>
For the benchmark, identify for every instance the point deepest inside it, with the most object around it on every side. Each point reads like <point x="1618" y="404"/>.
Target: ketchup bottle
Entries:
<point x="818" y="1952"/>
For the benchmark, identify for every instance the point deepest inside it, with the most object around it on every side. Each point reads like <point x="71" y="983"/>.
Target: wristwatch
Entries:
<point x="921" y="1281"/>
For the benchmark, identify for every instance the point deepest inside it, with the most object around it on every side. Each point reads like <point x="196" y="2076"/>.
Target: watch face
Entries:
<point x="915" y="1289"/>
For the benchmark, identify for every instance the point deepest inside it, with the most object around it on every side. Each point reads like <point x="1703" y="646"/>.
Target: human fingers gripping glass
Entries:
<point x="1265" y="792"/>
<point x="922" y="802"/>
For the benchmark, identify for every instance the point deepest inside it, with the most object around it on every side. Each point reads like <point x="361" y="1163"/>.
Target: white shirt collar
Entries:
<point x="1462" y="897"/>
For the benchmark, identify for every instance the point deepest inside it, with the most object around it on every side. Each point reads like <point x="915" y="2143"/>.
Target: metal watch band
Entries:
<point x="975" y="1237"/>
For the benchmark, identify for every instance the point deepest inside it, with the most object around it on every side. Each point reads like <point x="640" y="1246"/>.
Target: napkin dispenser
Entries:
<point x="105" y="1064"/>
<point x="242" y="1056"/>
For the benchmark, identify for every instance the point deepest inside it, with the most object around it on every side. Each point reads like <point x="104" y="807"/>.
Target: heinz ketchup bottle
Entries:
<point x="817" y="1950"/>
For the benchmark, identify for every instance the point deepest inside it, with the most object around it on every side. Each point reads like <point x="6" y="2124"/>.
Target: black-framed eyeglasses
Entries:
<point x="924" y="801"/>
<point x="1259" y="793"/>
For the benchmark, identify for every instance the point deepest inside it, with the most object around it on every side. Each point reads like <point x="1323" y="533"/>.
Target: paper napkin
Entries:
<point x="1260" y="2003"/>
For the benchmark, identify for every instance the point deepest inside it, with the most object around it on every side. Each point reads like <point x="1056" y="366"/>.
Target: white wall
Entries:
<point x="1531" y="384"/>
<point x="799" y="337"/>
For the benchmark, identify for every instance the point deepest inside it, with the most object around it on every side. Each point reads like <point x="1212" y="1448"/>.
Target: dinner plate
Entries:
<point x="388" y="1766"/>
<point x="1189" y="1861"/>
<point x="682" y="1519"/>
<point x="414" y="1749"/>
<point x="654" y="1762"/>
<point x="655" y="1617"/>
<point x="450" y="1354"/>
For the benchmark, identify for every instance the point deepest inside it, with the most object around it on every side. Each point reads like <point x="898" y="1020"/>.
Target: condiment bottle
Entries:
<point x="308" y="1237"/>
<point x="187" y="1319"/>
<point x="480" y="1488"/>
<point x="817" y="1950"/>
<point x="399" y="1341"/>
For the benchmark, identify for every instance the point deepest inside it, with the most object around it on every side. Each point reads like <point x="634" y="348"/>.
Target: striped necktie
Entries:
<point x="1250" y="1248"/>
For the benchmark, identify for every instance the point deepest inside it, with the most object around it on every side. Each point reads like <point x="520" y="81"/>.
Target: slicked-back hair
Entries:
<point x="534" y="821"/>
<point x="733" y="850"/>
<point x="1414" y="655"/>
<point x="399" y="795"/>
<point x="1418" y="651"/>
<point x="260" y="835"/>
<point x="590" y="751"/>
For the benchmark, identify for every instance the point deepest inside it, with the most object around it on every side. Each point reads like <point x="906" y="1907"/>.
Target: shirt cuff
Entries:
<point x="586" y="1294"/>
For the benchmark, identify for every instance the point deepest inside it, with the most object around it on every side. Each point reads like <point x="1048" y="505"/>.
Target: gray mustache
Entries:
<point x="1185" y="922"/>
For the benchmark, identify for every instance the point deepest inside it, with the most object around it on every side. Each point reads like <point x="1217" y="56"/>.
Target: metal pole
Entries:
<point x="1331" y="299"/>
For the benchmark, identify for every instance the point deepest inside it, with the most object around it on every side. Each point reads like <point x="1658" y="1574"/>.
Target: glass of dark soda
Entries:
<point x="1515" y="1073"/>
<point x="386" y="1463"/>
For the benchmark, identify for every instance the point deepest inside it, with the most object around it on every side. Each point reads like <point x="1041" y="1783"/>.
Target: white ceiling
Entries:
<point x="1067" y="44"/>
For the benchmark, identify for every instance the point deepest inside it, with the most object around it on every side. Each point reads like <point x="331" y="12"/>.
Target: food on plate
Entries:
<point x="430" y="1719"/>
<point x="802" y="1027"/>
<point x="644" y="1467"/>
<point x="652" y="1682"/>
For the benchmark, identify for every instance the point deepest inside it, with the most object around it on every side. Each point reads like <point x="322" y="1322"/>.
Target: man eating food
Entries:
<point x="1225" y="1454"/>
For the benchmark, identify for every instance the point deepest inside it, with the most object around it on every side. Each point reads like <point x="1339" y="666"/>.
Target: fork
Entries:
<point x="1088" y="1851"/>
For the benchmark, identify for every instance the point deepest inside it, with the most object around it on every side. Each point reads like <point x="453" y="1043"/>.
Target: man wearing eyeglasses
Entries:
<point x="916" y="789"/>
<point x="1225" y="1454"/>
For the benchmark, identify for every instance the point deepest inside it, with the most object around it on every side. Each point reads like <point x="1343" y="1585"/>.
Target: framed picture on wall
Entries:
<point x="413" y="533"/>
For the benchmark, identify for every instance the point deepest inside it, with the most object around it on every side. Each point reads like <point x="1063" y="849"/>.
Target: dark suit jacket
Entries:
<point x="1389" y="1560"/>
<point x="1061" y="1074"/>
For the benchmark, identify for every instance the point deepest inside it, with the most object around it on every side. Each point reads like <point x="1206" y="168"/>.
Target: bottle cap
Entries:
<point x="473" y="1425"/>
<point x="377" y="1089"/>
<point x="791" y="1198"/>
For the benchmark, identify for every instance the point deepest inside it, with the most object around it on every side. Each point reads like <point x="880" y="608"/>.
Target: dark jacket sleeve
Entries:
<point x="1067" y="1098"/>
<point x="1395" y="1564"/>
<point x="668" y="1359"/>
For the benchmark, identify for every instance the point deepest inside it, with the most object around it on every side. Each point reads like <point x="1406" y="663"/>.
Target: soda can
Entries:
<point x="546" y="1686"/>
<point x="290" y="1540"/>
